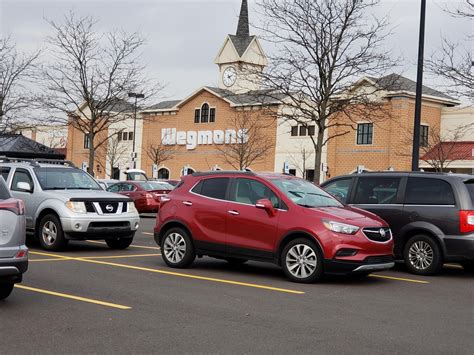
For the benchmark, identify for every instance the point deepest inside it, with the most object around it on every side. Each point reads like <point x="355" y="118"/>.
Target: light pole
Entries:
<point x="136" y="96"/>
<point x="419" y="91"/>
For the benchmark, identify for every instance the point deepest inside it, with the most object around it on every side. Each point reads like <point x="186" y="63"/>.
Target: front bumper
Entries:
<point x="370" y="264"/>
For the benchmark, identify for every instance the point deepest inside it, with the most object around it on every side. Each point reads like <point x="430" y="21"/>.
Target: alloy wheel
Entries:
<point x="301" y="261"/>
<point x="420" y="255"/>
<point x="49" y="233"/>
<point x="175" y="247"/>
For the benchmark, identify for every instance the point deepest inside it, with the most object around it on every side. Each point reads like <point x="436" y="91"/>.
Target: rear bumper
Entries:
<point x="11" y="270"/>
<point x="459" y="247"/>
<point x="348" y="267"/>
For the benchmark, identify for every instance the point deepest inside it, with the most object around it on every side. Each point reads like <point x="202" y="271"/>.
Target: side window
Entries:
<point x="4" y="173"/>
<point x="21" y="176"/>
<point x="249" y="191"/>
<point x="425" y="191"/>
<point x="214" y="188"/>
<point x="127" y="188"/>
<point x="114" y="188"/>
<point x="377" y="190"/>
<point x="339" y="188"/>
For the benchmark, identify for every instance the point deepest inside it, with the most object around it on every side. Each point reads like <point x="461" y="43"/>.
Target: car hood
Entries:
<point x="349" y="215"/>
<point x="66" y="195"/>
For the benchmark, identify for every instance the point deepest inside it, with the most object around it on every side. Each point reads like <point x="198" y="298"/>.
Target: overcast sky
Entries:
<point x="184" y="36"/>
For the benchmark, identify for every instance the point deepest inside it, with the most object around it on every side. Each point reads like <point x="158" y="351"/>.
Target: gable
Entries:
<point x="227" y="53"/>
<point x="254" y="54"/>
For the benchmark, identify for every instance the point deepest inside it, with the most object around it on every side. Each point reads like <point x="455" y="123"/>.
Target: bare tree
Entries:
<point x="453" y="62"/>
<point x="16" y="70"/>
<point x="251" y="143"/>
<point x="301" y="159"/>
<point x="111" y="153"/>
<point x="91" y="75"/>
<point x="442" y="149"/>
<point x="160" y="153"/>
<point x="322" y="47"/>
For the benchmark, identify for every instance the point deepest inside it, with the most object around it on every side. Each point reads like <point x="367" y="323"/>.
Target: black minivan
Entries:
<point x="431" y="214"/>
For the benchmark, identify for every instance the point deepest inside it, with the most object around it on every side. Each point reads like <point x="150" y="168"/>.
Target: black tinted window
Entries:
<point x="470" y="189"/>
<point x="339" y="188"/>
<point x="424" y="191"/>
<point x="377" y="190"/>
<point x="21" y="176"/>
<point x="215" y="188"/>
<point x="4" y="173"/>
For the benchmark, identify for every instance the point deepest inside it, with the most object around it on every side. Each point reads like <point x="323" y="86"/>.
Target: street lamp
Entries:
<point x="136" y="96"/>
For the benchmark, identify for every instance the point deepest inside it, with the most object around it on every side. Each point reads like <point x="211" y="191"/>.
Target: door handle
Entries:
<point x="232" y="212"/>
<point x="187" y="203"/>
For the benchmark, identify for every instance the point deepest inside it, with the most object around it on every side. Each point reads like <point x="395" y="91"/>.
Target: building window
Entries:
<point x="197" y="115"/>
<point x="124" y="136"/>
<point x="292" y="172"/>
<point x="212" y="115"/>
<point x="294" y="131"/>
<point x="204" y="113"/>
<point x="87" y="141"/>
<point x="424" y="130"/>
<point x="364" y="133"/>
<point x="302" y="131"/>
<point x="311" y="130"/>
<point x="119" y="136"/>
<point x="130" y="136"/>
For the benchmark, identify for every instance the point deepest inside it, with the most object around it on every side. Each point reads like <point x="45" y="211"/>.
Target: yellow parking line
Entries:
<point x="179" y="274"/>
<point x="131" y="246"/>
<point x="39" y="260"/>
<point x="118" y="256"/>
<point x="399" y="279"/>
<point x="72" y="297"/>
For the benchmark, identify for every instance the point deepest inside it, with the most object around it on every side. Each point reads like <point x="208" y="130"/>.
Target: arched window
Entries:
<point x="204" y="113"/>
<point x="163" y="173"/>
<point x="190" y="171"/>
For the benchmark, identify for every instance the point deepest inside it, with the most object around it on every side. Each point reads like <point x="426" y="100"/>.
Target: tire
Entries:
<point x="468" y="265"/>
<point x="50" y="233"/>
<point x="119" y="243"/>
<point x="236" y="261"/>
<point x="307" y="270"/>
<point x="6" y="289"/>
<point x="177" y="249"/>
<point x="422" y="255"/>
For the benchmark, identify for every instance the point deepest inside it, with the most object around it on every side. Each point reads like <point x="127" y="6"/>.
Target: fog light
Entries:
<point x="77" y="226"/>
<point x="346" y="252"/>
<point x="137" y="225"/>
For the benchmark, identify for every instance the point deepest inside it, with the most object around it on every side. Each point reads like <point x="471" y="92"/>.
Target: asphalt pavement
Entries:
<point x="91" y="299"/>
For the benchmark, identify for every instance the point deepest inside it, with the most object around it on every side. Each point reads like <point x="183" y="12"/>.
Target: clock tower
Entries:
<point x="241" y="58"/>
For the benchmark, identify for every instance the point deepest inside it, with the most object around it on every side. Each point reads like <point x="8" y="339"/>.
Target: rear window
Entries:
<point x="213" y="188"/>
<point x="470" y="189"/>
<point x="425" y="191"/>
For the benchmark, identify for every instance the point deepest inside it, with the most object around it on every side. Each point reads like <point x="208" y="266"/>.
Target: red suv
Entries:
<point x="277" y="218"/>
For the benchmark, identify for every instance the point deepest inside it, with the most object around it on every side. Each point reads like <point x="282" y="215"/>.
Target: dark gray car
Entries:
<point x="13" y="252"/>
<point x="431" y="214"/>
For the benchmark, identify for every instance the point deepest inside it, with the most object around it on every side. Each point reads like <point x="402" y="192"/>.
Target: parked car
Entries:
<point x="169" y="181"/>
<point x="277" y="218"/>
<point x="106" y="183"/>
<point x="431" y="214"/>
<point x="145" y="194"/>
<point x="161" y="185"/>
<point x="13" y="251"/>
<point x="64" y="203"/>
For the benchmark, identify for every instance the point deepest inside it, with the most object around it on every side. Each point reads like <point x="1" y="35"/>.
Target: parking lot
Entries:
<point x="94" y="299"/>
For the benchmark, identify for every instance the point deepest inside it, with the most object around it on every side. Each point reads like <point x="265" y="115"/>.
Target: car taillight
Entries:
<point x="466" y="221"/>
<point x="21" y="254"/>
<point x="15" y="206"/>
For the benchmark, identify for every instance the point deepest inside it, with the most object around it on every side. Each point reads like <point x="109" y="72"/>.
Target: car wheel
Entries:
<point x="422" y="255"/>
<point x="5" y="290"/>
<point x="236" y="261"/>
<point x="119" y="243"/>
<point x="302" y="261"/>
<point x="468" y="265"/>
<point x="177" y="248"/>
<point x="50" y="233"/>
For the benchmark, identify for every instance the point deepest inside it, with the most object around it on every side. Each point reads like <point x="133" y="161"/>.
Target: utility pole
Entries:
<point x="136" y="96"/>
<point x="419" y="91"/>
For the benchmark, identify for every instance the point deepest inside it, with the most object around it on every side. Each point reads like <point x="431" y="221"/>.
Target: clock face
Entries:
<point x="229" y="76"/>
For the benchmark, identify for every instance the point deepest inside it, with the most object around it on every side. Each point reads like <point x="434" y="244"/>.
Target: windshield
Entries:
<point x="161" y="185"/>
<point x="305" y="194"/>
<point x="65" y="179"/>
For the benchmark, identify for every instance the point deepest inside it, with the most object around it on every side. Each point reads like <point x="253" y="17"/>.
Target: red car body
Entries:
<point x="145" y="196"/>
<point x="253" y="230"/>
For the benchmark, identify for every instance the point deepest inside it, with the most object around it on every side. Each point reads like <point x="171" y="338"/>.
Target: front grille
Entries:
<point x="108" y="224"/>
<point x="378" y="234"/>
<point x="380" y="259"/>
<point x="109" y="207"/>
<point x="90" y="207"/>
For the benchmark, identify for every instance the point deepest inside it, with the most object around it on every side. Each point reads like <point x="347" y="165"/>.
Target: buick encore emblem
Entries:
<point x="382" y="232"/>
<point x="109" y="208"/>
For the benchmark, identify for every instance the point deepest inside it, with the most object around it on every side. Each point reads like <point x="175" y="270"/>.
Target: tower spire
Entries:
<point x="243" y="27"/>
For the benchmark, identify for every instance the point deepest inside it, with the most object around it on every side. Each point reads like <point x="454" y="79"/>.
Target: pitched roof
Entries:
<point x="255" y="97"/>
<point x="119" y="105"/>
<point x="451" y="151"/>
<point x="18" y="146"/>
<point x="241" y="43"/>
<point x="396" y="82"/>
<point x="164" y="105"/>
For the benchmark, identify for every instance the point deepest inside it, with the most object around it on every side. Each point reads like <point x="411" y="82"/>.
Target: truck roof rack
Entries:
<point x="36" y="161"/>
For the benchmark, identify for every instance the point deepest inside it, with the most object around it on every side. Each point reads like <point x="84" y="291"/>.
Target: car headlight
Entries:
<point x="132" y="208"/>
<point x="340" y="227"/>
<point x="77" y="207"/>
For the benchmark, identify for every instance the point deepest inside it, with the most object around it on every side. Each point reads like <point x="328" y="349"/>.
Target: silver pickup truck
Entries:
<point x="65" y="203"/>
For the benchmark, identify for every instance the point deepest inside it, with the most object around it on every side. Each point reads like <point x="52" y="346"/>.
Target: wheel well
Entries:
<point x="288" y="238"/>
<point x="42" y="214"/>
<point x="170" y="225"/>
<point x="419" y="231"/>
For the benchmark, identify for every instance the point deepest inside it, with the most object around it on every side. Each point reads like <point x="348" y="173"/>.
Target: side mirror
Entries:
<point x="266" y="205"/>
<point x="24" y="187"/>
